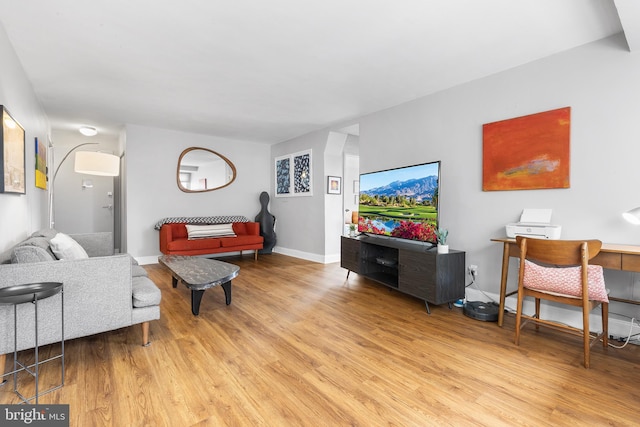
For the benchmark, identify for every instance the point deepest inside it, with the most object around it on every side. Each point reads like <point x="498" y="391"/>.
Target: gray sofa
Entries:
<point x="104" y="292"/>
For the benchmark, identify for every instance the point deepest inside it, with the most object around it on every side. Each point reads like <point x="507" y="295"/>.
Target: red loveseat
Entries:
<point x="174" y="240"/>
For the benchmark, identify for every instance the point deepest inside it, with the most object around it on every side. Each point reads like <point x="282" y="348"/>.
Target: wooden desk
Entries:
<point x="611" y="256"/>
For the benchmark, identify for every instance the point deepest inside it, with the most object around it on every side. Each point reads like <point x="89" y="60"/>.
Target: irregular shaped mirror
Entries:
<point x="201" y="169"/>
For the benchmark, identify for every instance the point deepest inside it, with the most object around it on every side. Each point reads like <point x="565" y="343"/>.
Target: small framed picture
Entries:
<point x="334" y="185"/>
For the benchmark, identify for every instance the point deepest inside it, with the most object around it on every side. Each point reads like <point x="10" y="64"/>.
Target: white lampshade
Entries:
<point x="95" y="163"/>
<point x="633" y="216"/>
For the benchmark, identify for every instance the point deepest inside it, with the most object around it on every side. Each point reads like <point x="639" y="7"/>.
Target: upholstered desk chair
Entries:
<point x="556" y="270"/>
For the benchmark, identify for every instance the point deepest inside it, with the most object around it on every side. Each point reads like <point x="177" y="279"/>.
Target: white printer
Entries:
<point x="534" y="223"/>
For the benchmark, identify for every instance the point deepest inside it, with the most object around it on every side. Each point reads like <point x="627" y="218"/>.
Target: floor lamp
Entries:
<point x="632" y="216"/>
<point x="89" y="163"/>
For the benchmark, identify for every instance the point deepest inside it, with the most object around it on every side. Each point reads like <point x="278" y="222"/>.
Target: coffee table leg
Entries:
<point x="174" y="281"/>
<point x="196" y="297"/>
<point x="227" y="291"/>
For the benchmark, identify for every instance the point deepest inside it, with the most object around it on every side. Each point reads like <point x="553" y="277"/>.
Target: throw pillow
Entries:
<point x="64" y="247"/>
<point x="47" y="233"/>
<point x="214" y="230"/>
<point x="41" y="242"/>
<point x="5" y="257"/>
<point x="567" y="281"/>
<point x="26" y="253"/>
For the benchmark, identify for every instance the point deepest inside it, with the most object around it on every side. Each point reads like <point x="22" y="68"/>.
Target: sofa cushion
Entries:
<point x="230" y="242"/>
<point x="240" y="228"/>
<point x="178" y="231"/>
<point x="145" y="292"/>
<point x="205" y="231"/>
<point x="138" y="271"/>
<point x="26" y="253"/>
<point x="186" y="245"/>
<point x="64" y="247"/>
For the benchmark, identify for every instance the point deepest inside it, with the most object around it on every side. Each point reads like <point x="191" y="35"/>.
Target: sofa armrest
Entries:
<point x="97" y="298"/>
<point x="165" y="237"/>
<point x="96" y="244"/>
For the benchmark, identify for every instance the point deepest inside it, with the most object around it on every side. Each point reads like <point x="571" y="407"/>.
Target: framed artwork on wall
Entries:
<point x="302" y="174"/>
<point x="283" y="176"/>
<point x="41" y="164"/>
<point x="293" y="175"/>
<point x="334" y="185"/>
<point x="526" y="153"/>
<point x="12" y="158"/>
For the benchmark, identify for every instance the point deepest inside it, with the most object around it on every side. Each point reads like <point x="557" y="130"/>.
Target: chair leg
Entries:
<point x="255" y="257"/>
<point x="605" y="325"/>
<point x="145" y="334"/>
<point x="519" y="316"/>
<point x="537" y="313"/>
<point x="586" y="336"/>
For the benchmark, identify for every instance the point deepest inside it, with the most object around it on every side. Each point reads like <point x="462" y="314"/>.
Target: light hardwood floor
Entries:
<point x="302" y="346"/>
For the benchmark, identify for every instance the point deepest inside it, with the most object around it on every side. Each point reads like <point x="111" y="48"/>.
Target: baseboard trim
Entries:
<point x="323" y="259"/>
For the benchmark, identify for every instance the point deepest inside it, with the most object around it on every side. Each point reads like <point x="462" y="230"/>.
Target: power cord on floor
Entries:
<point x="626" y="341"/>
<point x="461" y="302"/>
<point x="488" y="297"/>
<point x="473" y="278"/>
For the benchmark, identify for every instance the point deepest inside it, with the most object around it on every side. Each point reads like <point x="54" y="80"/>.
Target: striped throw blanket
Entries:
<point x="201" y="220"/>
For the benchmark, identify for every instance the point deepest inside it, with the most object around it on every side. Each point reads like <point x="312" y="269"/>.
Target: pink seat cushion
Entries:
<point x="565" y="281"/>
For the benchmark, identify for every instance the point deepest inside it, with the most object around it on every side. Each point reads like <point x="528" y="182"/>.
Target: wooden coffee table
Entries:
<point x="200" y="274"/>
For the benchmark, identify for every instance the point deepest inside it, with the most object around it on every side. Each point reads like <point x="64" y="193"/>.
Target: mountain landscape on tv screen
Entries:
<point x="420" y="188"/>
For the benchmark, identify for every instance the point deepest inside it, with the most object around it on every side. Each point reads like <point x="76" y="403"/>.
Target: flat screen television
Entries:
<point x="401" y="202"/>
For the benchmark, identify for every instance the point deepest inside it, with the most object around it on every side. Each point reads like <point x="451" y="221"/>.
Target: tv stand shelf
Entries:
<point x="409" y="267"/>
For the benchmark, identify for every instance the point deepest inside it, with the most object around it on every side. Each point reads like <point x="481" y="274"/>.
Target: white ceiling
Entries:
<point x="272" y="70"/>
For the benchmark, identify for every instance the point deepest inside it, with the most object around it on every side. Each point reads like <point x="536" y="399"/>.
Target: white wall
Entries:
<point x="20" y="215"/>
<point x="600" y="83"/>
<point x="300" y="221"/>
<point x="152" y="191"/>
<point x="333" y="203"/>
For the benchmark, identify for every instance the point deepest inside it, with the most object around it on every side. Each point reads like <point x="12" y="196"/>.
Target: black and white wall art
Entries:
<point x="293" y="174"/>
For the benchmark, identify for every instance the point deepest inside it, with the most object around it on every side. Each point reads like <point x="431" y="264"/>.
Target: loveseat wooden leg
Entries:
<point x="145" y="334"/>
<point x="3" y="360"/>
<point x="256" y="255"/>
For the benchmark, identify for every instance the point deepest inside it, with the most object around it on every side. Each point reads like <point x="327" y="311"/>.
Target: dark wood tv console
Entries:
<point x="409" y="267"/>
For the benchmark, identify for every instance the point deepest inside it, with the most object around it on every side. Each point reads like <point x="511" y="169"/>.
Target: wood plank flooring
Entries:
<point x="302" y="346"/>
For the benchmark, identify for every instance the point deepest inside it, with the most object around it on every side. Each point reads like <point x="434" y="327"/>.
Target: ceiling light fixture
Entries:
<point x="88" y="130"/>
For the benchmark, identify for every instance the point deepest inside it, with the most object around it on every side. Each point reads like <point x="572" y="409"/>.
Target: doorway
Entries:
<point x="82" y="203"/>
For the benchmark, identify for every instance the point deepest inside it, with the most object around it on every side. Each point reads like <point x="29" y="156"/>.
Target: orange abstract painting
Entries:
<point x="529" y="152"/>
